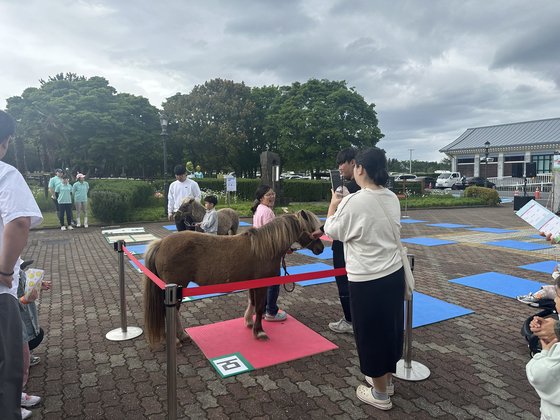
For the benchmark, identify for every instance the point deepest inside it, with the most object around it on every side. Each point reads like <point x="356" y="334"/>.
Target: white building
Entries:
<point x="505" y="145"/>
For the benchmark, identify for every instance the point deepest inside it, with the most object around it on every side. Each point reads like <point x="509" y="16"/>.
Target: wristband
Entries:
<point x="6" y="274"/>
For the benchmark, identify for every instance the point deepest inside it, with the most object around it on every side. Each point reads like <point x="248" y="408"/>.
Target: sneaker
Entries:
<point x="341" y="326"/>
<point x="62" y="227"/>
<point x="530" y="298"/>
<point x="78" y="225"/>
<point x="280" y="316"/>
<point x="364" y="393"/>
<point x="34" y="360"/>
<point x="390" y="388"/>
<point x="25" y="414"/>
<point x="86" y="225"/>
<point x="70" y="227"/>
<point x="29" y="400"/>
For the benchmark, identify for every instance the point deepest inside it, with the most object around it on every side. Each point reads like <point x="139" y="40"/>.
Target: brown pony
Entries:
<point x="210" y="259"/>
<point x="191" y="211"/>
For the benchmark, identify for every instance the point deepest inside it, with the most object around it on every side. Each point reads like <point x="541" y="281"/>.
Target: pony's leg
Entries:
<point x="250" y="311"/>
<point x="260" y="300"/>
<point x="181" y="334"/>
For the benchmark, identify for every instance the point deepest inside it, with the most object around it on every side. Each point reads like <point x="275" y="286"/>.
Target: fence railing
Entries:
<point x="509" y="183"/>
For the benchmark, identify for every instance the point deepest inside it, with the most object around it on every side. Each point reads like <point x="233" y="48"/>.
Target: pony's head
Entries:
<point x="185" y="211"/>
<point x="309" y="223"/>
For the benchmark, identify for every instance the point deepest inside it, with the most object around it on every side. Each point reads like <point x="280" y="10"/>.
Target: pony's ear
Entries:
<point x="304" y="215"/>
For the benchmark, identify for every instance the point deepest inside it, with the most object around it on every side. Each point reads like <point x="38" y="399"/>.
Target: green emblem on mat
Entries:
<point x="231" y="364"/>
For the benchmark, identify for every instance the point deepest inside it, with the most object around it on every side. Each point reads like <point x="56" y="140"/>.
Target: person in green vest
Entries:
<point x="54" y="182"/>
<point x="64" y="191"/>
<point x="80" y="190"/>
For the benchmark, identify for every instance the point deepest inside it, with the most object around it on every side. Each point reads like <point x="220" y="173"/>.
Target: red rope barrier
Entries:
<point x="160" y="283"/>
<point x="239" y="285"/>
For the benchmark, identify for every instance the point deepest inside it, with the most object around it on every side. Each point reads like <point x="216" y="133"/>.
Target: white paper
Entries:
<point x="34" y="278"/>
<point x="540" y="218"/>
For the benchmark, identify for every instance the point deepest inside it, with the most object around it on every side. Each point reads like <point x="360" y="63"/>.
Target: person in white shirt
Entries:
<point x="367" y="223"/>
<point x="179" y="190"/>
<point x="18" y="213"/>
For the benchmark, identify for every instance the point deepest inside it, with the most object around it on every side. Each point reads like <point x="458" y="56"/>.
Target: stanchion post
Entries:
<point x="171" y="334"/>
<point x="124" y="332"/>
<point x="408" y="369"/>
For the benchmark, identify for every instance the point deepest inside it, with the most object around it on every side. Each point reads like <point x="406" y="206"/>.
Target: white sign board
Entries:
<point x="231" y="183"/>
<point x="540" y="218"/>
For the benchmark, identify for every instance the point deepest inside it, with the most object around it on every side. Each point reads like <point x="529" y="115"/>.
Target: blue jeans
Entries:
<point x="272" y="293"/>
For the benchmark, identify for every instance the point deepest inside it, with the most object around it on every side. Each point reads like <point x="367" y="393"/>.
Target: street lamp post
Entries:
<point x="410" y="161"/>
<point x="163" y="121"/>
<point x="486" y="146"/>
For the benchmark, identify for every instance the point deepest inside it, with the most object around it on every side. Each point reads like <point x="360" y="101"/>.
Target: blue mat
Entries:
<point x="448" y="225"/>
<point x="135" y="266"/>
<point x="412" y="221"/>
<point x="244" y="224"/>
<point x="170" y="227"/>
<point x="137" y="249"/>
<point x="499" y="284"/>
<point x="427" y="241"/>
<point x="492" y="230"/>
<point x="309" y="268"/>
<point x="536" y="237"/>
<point x="429" y="310"/>
<point x="541" y="267"/>
<point x="506" y="200"/>
<point x="524" y="246"/>
<point x="322" y="218"/>
<point x="325" y="255"/>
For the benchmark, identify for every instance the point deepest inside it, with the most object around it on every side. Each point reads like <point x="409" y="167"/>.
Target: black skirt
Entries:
<point x="378" y="319"/>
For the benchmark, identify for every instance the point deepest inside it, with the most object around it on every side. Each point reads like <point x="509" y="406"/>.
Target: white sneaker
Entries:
<point x="62" y="227"/>
<point x="29" y="400"/>
<point x="86" y="225"/>
<point x="25" y="414"/>
<point x="390" y="388"/>
<point x="78" y="225"/>
<point x="70" y="227"/>
<point x="341" y="326"/>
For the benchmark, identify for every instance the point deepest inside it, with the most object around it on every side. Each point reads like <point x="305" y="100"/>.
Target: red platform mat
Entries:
<point x="232" y="349"/>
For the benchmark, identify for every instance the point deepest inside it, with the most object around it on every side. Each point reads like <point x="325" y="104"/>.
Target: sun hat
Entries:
<point x="79" y="175"/>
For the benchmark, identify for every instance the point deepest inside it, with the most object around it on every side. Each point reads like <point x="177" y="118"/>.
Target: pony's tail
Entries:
<point x="154" y="310"/>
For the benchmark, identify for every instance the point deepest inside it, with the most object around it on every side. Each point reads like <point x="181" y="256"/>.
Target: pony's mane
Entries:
<point x="275" y="237"/>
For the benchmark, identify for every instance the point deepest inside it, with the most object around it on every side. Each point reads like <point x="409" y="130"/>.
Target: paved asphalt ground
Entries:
<point x="477" y="361"/>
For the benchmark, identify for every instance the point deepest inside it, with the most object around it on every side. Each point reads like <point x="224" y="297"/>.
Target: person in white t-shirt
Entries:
<point x="18" y="213"/>
<point x="179" y="190"/>
<point x="368" y="223"/>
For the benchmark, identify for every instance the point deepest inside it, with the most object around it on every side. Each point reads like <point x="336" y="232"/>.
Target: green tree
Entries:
<point x="214" y="126"/>
<point x="316" y="119"/>
<point x="84" y="124"/>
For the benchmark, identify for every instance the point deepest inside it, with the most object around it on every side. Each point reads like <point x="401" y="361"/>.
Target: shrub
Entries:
<point x="110" y="206"/>
<point x="489" y="195"/>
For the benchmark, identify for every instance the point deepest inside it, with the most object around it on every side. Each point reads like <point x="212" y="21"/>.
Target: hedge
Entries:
<point x="112" y="200"/>
<point x="489" y="195"/>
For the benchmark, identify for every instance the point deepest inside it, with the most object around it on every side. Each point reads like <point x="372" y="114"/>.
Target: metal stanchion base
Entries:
<point x="119" y="335"/>
<point x="416" y="371"/>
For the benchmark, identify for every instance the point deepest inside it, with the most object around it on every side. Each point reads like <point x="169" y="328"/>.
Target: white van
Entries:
<point x="448" y="179"/>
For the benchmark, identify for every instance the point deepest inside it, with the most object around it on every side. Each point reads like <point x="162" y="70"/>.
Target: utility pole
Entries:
<point x="410" y="161"/>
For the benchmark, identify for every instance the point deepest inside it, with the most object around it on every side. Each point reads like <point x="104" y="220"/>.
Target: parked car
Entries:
<point x="429" y="181"/>
<point x="407" y="177"/>
<point x="479" y="182"/>
<point x="448" y="179"/>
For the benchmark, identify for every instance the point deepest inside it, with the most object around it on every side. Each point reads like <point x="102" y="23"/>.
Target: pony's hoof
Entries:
<point x="249" y="324"/>
<point x="261" y="335"/>
<point x="184" y="338"/>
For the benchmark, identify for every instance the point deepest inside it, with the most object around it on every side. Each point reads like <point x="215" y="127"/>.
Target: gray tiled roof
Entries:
<point x="515" y="134"/>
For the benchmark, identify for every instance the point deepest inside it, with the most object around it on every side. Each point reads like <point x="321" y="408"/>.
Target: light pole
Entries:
<point x="486" y="146"/>
<point x="163" y="121"/>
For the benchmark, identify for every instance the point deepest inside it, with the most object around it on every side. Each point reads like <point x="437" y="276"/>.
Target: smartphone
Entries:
<point x="336" y="179"/>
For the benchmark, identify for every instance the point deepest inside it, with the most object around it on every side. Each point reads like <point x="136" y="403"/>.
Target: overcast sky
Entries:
<point x="432" y="68"/>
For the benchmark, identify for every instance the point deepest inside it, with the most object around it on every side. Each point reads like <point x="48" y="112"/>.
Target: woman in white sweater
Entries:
<point x="368" y="223"/>
<point x="543" y="371"/>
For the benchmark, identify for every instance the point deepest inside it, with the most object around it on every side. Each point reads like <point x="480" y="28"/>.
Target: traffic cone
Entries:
<point x="537" y="193"/>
